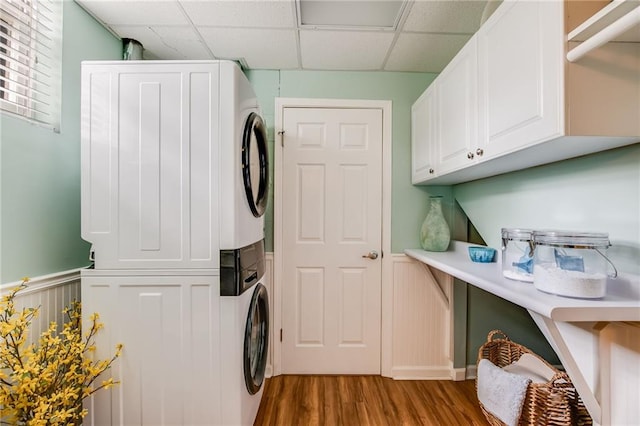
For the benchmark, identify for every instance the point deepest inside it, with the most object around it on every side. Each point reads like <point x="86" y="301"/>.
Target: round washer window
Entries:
<point x="255" y="164"/>
<point x="256" y="340"/>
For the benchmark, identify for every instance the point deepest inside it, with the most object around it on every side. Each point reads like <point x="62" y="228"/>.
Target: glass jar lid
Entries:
<point x="569" y="239"/>
<point x="516" y="234"/>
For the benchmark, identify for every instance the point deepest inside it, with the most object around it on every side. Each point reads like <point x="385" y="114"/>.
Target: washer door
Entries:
<point x="256" y="340"/>
<point x="255" y="164"/>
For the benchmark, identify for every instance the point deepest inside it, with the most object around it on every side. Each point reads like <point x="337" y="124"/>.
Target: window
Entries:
<point x="30" y="59"/>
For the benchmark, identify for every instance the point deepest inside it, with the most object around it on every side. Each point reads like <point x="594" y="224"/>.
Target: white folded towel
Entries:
<point x="531" y="367"/>
<point x="500" y="392"/>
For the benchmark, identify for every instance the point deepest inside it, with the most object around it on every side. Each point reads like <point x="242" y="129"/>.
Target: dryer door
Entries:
<point x="255" y="164"/>
<point x="256" y="340"/>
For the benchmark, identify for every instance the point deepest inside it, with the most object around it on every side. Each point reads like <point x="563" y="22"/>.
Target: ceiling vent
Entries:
<point x="348" y="14"/>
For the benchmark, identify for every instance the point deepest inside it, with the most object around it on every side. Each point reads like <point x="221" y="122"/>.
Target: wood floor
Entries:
<point x="367" y="400"/>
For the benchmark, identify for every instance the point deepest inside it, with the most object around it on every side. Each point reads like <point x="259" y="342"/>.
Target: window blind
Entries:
<point x="30" y="59"/>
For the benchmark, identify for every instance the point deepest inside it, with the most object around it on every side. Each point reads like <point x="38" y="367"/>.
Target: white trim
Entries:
<point x="421" y="373"/>
<point x="472" y="371"/>
<point x="44" y="282"/>
<point x="458" y="374"/>
<point x="386" y="107"/>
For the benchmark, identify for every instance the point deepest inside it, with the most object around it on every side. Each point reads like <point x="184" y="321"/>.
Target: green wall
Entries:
<point x="595" y="193"/>
<point x="409" y="203"/>
<point x="40" y="169"/>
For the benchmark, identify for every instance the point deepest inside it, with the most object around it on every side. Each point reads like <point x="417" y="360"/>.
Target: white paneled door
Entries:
<point x="332" y="240"/>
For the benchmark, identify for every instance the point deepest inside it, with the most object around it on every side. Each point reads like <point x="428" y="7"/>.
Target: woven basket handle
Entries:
<point x="492" y="333"/>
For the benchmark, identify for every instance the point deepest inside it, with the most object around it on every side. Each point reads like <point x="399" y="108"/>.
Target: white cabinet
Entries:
<point x="520" y="70"/>
<point x="457" y="130"/>
<point x="444" y="119"/>
<point x="149" y="180"/>
<point x="516" y="102"/>
<point x="423" y="132"/>
<point x="169" y="371"/>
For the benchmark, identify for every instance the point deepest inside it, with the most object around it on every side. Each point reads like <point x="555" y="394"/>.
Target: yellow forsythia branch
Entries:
<point x="45" y="384"/>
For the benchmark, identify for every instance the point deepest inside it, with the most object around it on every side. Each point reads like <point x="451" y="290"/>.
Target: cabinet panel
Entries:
<point x="169" y="367"/>
<point x="149" y="160"/>
<point x="521" y="76"/>
<point x="457" y="128"/>
<point x="423" y="132"/>
<point x="150" y="167"/>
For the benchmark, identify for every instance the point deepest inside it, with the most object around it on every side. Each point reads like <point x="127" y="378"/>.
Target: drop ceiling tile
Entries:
<point x="130" y="12"/>
<point x="344" y="50"/>
<point x="166" y="42"/>
<point x="261" y="48"/>
<point x="424" y="52"/>
<point x="446" y="16"/>
<point x="247" y="13"/>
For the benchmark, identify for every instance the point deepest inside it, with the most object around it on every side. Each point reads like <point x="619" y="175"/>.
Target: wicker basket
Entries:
<point x="553" y="403"/>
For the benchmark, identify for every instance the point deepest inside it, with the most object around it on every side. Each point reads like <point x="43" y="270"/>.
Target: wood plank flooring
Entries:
<point x="367" y="400"/>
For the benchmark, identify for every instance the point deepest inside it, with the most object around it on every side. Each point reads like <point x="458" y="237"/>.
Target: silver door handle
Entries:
<point x="371" y="255"/>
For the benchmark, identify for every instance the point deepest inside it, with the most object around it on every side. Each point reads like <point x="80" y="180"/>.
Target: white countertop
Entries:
<point x="621" y="302"/>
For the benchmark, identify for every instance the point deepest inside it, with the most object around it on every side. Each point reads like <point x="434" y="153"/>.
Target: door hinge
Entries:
<point x="281" y="335"/>
<point x="281" y="134"/>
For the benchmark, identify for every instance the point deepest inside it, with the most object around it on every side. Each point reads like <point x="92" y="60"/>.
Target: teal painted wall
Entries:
<point x="40" y="169"/>
<point x="595" y="193"/>
<point x="409" y="203"/>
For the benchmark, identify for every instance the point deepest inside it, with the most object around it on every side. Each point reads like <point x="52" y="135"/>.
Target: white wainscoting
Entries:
<point x="51" y="293"/>
<point x="421" y="315"/>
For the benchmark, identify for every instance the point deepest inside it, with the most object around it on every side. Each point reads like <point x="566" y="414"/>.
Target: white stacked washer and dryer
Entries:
<point x="174" y="188"/>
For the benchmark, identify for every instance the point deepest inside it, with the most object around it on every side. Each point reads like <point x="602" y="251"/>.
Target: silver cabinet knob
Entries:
<point x="371" y="255"/>
<point x="479" y="152"/>
<point x="431" y="171"/>
<point x="470" y="155"/>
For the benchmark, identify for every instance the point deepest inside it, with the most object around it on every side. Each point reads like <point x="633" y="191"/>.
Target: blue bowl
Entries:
<point x="482" y="254"/>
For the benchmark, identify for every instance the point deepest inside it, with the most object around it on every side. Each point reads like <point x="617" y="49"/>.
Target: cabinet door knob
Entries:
<point x="479" y="152"/>
<point x="470" y="155"/>
<point x="431" y="171"/>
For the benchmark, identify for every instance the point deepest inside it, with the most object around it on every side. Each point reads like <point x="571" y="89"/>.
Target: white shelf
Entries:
<point x="618" y="21"/>
<point x="605" y="17"/>
<point x="621" y="303"/>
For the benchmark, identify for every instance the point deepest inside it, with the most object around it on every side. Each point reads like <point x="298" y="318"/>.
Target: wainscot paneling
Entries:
<point x="422" y="321"/>
<point x="51" y="294"/>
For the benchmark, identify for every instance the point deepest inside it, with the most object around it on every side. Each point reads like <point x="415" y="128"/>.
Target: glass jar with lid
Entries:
<point x="517" y="254"/>
<point x="571" y="264"/>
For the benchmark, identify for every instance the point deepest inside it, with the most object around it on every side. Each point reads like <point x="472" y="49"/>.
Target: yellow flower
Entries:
<point x="44" y="384"/>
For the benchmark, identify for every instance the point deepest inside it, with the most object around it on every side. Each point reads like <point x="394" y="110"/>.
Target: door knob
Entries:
<point x="371" y="255"/>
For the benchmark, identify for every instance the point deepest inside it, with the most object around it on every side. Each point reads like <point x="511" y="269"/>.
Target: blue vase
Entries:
<point x="434" y="233"/>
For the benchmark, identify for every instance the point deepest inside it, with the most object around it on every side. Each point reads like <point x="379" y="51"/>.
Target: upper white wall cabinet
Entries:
<point x="511" y="100"/>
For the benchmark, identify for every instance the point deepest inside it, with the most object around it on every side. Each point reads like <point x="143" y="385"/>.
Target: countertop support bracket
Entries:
<point x="443" y="296"/>
<point x="576" y="344"/>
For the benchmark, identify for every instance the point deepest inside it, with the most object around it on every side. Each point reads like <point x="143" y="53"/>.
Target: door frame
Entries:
<point x="387" y="292"/>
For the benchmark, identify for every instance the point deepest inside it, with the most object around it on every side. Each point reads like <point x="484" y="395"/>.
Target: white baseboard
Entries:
<point x="458" y="374"/>
<point x="421" y="373"/>
<point x="472" y="372"/>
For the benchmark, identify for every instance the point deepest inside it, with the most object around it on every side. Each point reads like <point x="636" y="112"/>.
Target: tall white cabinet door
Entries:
<point x="520" y="51"/>
<point x="424" y="119"/>
<point x="149" y="155"/>
<point x="169" y="370"/>
<point x="456" y="135"/>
